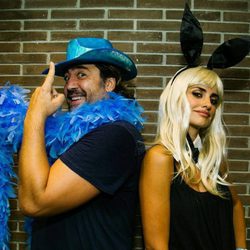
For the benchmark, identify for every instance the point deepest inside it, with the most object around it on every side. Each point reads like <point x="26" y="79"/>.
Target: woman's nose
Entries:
<point x="207" y="102"/>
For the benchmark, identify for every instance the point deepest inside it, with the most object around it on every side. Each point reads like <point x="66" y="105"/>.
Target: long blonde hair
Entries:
<point x="173" y="124"/>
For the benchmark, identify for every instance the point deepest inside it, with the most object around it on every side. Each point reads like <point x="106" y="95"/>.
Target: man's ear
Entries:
<point x="110" y="84"/>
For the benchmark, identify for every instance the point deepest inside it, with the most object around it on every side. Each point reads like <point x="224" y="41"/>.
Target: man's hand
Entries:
<point x="45" y="100"/>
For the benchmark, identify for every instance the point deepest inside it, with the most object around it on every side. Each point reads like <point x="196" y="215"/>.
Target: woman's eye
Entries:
<point x="214" y="101"/>
<point x="197" y="94"/>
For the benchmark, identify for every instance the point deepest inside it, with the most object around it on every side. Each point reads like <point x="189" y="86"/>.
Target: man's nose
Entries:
<point x="72" y="83"/>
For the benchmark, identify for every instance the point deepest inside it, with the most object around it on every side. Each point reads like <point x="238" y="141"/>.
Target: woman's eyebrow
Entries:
<point x="204" y="90"/>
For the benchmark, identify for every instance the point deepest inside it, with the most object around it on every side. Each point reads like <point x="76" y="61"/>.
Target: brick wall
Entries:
<point x="33" y="32"/>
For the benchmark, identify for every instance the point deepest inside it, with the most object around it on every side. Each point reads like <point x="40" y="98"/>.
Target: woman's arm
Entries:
<point x="155" y="181"/>
<point x="238" y="213"/>
<point x="238" y="220"/>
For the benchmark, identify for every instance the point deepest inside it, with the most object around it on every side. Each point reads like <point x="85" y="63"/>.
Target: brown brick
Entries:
<point x="135" y="14"/>
<point x="9" y="69"/>
<point x="151" y="116"/>
<point x="13" y="204"/>
<point x="149" y="93"/>
<point x="236" y="96"/>
<point x="174" y="14"/>
<point x="224" y="27"/>
<point x="34" y="69"/>
<point x="237" y="108"/>
<point x="239" y="154"/>
<point x="6" y="4"/>
<point x="221" y="5"/>
<point x="13" y="225"/>
<point x="238" y="143"/>
<point x="13" y="246"/>
<point x="147" y="59"/>
<point x="208" y="37"/>
<point x="240" y="189"/>
<point x="23" y="80"/>
<point x="168" y="4"/>
<point x="18" y="236"/>
<point x="237" y="17"/>
<point x="200" y="15"/>
<point x="125" y="47"/>
<point x="248" y="241"/>
<point x="149" y="105"/>
<point x="231" y="36"/>
<point x="236" y="84"/>
<point x="103" y="24"/>
<point x="75" y="14"/>
<point x="23" y="36"/>
<point x="176" y="59"/>
<point x="66" y="36"/>
<point x="10" y="25"/>
<point x="158" y="25"/>
<point x="148" y="138"/>
<point x="134" y="36"/>
<point x="236" y="119"/>
<point x="207" y="15"/>
<point x="23" y="14"/>
<point x="106" y="3"/>
<point x="157" y="70"/>
<point x="44" y="47"/>
<point x="158" y="48"/>
<point x="9" y="47"/>
<point x="49" y="25"/>
<point x="22" y="246"/>
<point x="245" y="199"/>
<point x="235" y="73"/>
<point x="50" y="4"/>
<point x="149" y="129"/>
<point x="238" y="165"/>
<point x="239" y="130"/>
<point x="22" y="58"/>
<point x="243" y="177"/>
<point x="16" y="215"/>
<point x="57" y="57"/>
<point x="148" y="82"/>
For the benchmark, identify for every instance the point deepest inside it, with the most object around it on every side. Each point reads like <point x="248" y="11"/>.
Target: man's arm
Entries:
<point x="45" y="190"/>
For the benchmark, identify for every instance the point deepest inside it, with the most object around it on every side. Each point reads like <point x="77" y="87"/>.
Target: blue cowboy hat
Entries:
<point x="95" y="50"/>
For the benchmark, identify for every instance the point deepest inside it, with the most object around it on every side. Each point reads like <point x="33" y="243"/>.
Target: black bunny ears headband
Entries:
<point x="226" y="55"/>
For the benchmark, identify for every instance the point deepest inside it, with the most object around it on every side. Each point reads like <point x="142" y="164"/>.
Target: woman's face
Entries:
<point x="203" y="102"/>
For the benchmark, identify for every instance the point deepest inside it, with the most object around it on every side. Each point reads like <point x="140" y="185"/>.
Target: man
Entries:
<point x="87" y="198"/>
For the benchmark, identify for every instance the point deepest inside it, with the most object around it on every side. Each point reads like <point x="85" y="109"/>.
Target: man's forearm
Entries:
<point x="33" y="165"/>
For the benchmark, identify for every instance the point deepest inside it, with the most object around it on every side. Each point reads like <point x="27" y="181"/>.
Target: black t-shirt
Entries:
<point x="109" y="157"/>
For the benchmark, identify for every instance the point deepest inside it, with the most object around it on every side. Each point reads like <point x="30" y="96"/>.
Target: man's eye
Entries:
<point x="81" y="75"/>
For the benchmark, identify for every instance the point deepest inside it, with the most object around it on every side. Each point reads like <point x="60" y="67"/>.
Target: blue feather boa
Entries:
<point x="62" y="130"/>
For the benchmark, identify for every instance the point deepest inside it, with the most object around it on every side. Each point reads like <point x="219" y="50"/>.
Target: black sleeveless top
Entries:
<point x="200" y="220"/>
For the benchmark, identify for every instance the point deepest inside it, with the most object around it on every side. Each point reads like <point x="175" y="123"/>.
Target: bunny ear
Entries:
<point x="229" y="53"/>
<point x="191" y="37"/>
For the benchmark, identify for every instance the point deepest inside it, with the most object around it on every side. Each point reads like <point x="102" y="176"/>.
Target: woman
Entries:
<point x="187" y="202"/>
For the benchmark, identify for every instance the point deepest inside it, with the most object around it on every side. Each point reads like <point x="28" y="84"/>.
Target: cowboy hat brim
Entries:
<point x="104" y="55"/>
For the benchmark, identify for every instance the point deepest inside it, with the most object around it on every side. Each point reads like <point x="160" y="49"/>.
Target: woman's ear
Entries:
<point x="110" y="84"/>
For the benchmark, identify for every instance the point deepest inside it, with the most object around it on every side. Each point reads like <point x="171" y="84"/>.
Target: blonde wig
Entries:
<point x="173" y="124"/>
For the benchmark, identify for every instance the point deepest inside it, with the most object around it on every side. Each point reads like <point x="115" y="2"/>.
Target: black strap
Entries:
<point x="195" y="151"/>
